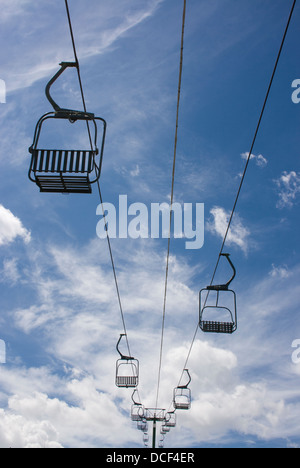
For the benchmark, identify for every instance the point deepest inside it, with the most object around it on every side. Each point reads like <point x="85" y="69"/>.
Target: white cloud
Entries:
<point x="11" y="227"/>
<point x="289" y="189"/>
<point x="238" y="233"/>
<point x="279" y="272"/>
<point x="129" y="21"/>
<point x="17" y="431"/>
<point x="247" y="409"/>
<point x="260" y="160"/>
<point x="64" y="318"/>
<point x="10" y="270"/>
<point x="80" y="328"/>
<point x="107" y="23"/>
<point x="135" y="172"/>
<point x="12" y="8"/>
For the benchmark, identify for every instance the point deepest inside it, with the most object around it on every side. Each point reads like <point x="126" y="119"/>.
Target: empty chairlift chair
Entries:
<point x="170" y="419"/>
<point x="161" y="442"/>
<point x="66" y="170"/>
<point x="127" y="370"/>
<point x="146" y="439"/>
<point x="217" y="307"/>
<point x="165" y="429"/>
<point x="142" y="425"/>
<point x="182" y="397"/>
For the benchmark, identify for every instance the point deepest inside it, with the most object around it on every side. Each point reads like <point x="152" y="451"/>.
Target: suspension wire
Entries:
<point x="78" y="71"/>
<point x="173" y="180"/>
<point x="100" y="194"/>
<point x="113" y="268"/>
<point x="171" y="204"/>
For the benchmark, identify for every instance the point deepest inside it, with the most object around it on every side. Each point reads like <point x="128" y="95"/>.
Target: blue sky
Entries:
<point x="59" y="312"/>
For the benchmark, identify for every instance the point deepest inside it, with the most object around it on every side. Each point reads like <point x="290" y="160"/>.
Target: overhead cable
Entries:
<point x="172" y="200"/>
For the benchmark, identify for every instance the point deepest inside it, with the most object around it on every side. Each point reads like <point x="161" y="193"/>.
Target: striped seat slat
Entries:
<point x="66" y="161"/>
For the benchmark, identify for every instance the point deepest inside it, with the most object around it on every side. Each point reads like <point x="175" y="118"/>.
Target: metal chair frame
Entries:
<point x="214" y="326"/>
<point x="182" y="396"/>
<point x="127" y="363"/>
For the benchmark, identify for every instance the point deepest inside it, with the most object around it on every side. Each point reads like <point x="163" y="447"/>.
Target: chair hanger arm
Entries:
<point x="224" y="287"/>
<point x="64" y="66"/>
<point x="64" y="113"/>
<point x="233" y="269"/>
<point x="189" y="377"/>
<point x="125" y="358"/>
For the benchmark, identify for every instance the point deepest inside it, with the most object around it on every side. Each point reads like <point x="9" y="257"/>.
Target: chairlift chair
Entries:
<point x="66" y="170"/>
<point x="219" y="316"/>
<point x="127" y="370"/>
<point x="164" y="429"/>
<point x="146" y="439"/>
<point x="171" y="419"/>
<point x="161" y="442"/>
<point x="182" y="397"/>
<point x="142" y="425"/>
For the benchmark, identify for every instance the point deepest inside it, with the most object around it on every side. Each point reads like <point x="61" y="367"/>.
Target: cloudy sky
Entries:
<point x="60" y="318"/>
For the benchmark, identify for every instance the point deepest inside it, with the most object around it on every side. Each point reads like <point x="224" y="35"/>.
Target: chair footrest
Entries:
<point x="64" y="184"/>
<point x="217" y="327"/>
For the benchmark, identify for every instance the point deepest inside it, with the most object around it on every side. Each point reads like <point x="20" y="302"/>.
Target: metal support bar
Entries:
<point x="154" y="434"/>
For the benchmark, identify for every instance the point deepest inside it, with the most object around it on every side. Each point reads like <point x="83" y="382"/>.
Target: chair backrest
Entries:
<point x="62" y="161"/>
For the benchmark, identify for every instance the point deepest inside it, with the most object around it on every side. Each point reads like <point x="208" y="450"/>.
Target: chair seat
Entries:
<point x="217" y="327"/>
<point x="183" y="406"/>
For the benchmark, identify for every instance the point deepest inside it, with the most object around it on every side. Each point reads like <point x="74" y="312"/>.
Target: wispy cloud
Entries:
<point x="280" y="272"/>
<point x="59" y="306"/>
<point x="288" y="189"/>
<point x="12" y="8"/>
<point x="75" y="315"/>
<point x="10" y="271"/>
<point x="238" y="234"/>
<point x="259" y="159"/>
<point x="41" y="58"/>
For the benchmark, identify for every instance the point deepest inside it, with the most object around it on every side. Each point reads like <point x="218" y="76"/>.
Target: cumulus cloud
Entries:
<point x="35" y="420"/>
<point x="288" y="189"/>
<point x="11" y="227"/>
<point x="238" y="234"/>
<point x="19" y="432"/>
<point x="69" y="407"/>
